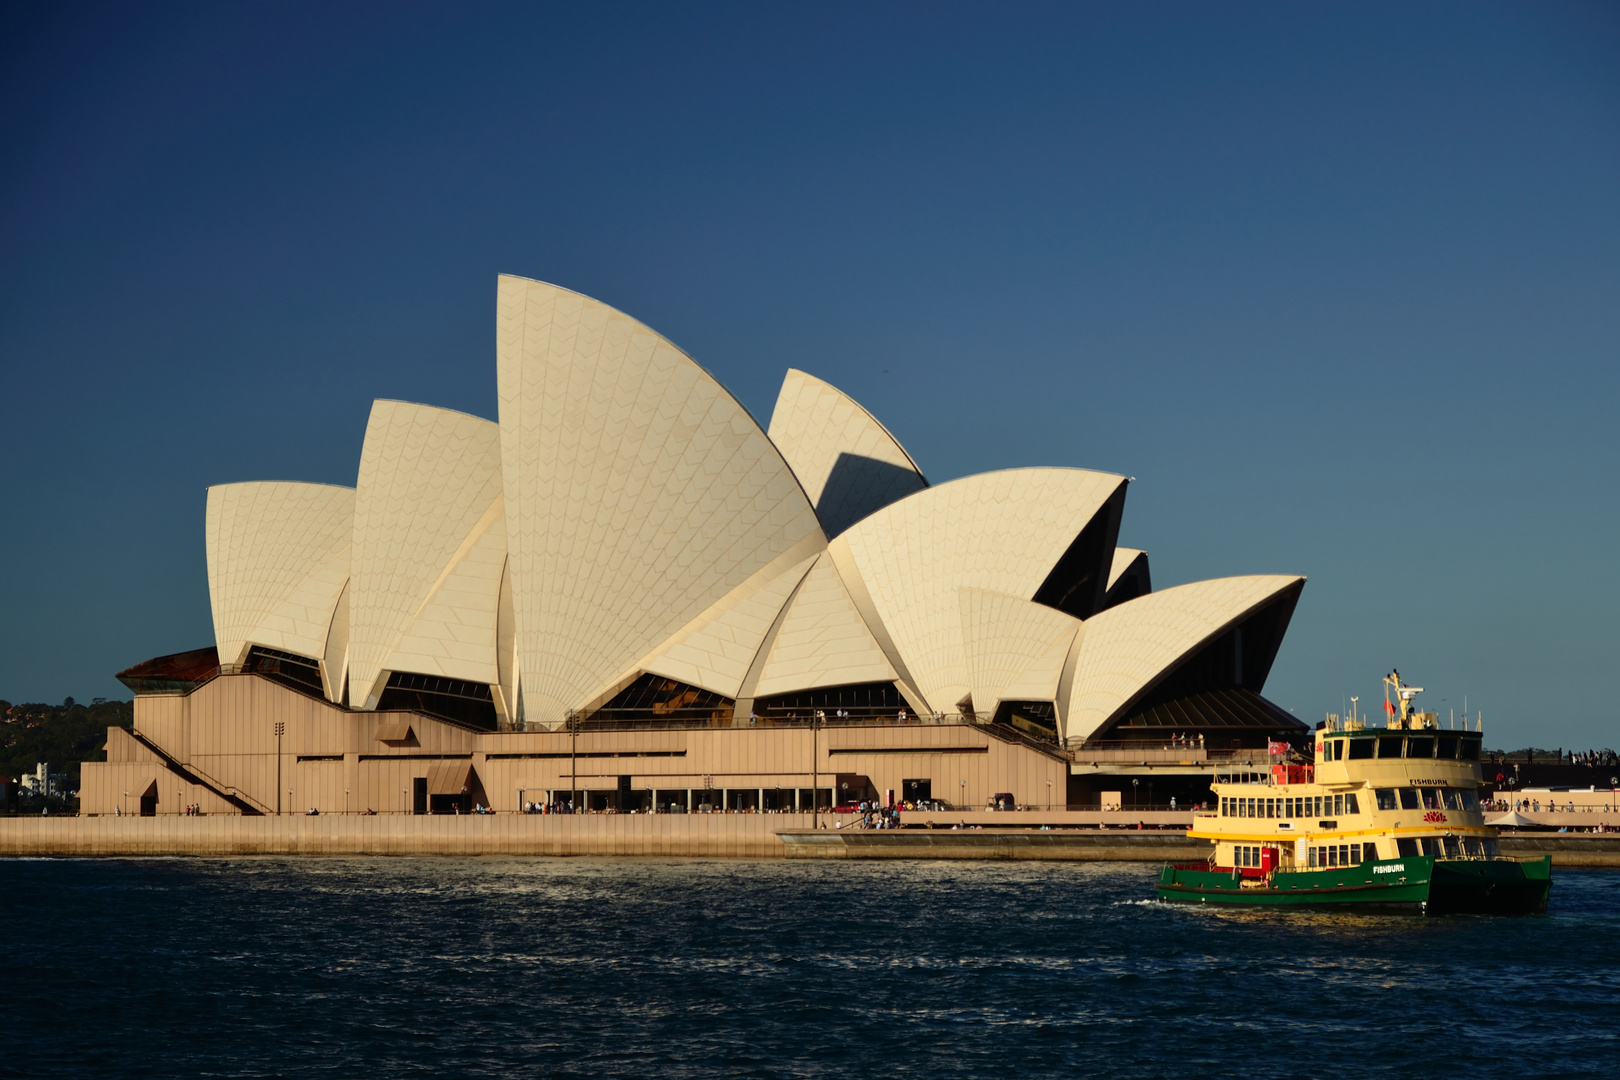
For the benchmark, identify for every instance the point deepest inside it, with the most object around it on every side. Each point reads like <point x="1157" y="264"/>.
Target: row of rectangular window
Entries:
<point x="1305" y="806"/>
<point x="1342" y="854"/>
<point x="1445" y="847"/>
<point x="1319" y="806"/>
<point x="1429" y="747"/>
<point x="1427" y="799"/>
<point x="1332" y="855"/>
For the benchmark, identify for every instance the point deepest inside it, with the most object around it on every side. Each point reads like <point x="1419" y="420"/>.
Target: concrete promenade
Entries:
<point x="659" y="835"/>
<point x="695" y="835"/>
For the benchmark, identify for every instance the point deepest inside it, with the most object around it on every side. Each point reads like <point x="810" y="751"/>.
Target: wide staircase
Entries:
<point x="235" y="796"/>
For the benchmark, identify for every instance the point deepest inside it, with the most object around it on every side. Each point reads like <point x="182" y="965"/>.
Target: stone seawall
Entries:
<point x="701" y="835"/>
<point x="749" y="836"/>
<point x="1566" y="849"/>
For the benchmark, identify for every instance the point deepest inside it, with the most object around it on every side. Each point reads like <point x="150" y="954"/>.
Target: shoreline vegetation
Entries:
<point x="61" y="736"/>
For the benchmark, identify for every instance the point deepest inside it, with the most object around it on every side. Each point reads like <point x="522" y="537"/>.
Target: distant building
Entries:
<point x="628" y="556"/>
<point x="44" y="783"/>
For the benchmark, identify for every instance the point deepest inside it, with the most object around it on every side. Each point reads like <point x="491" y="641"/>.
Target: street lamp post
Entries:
<point x="573" y="757"/>
<point x="815" y="771"/>
<point x="281" y="729"/>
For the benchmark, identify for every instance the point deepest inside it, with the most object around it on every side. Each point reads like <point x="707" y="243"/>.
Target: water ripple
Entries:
<point x="597" y="967"/>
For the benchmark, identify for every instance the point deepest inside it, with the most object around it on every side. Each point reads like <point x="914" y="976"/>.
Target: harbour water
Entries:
<point x="599" y="967"/>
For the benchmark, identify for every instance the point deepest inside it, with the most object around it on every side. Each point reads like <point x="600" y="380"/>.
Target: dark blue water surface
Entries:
<point x="596" y="967"/>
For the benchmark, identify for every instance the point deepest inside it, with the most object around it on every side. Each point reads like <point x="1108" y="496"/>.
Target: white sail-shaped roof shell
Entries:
<point x="822" y="640"/>
<point x="848" y="463"/>
<point x="278" y="557"/>
<point x="720" y="646"/>
<point x="1002" y="532"/>
<point x="1015" y="648"/>
<point x="1124" y="650"/>
<point x="453" y="633"/>
<point x="429" y="480"/>
<point x="639" y="493"/>
<point x="1123" y="558"/>
<point x="628" y="517"/>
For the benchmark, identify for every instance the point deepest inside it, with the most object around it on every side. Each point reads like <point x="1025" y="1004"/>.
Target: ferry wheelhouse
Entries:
<point x="1371" y="817"/>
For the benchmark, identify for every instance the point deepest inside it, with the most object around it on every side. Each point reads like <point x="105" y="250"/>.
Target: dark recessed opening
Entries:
<point x="461" y="702"/>
<point x="1078" y="582"/>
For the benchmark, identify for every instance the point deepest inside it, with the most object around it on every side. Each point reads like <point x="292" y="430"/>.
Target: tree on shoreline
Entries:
<point x="64" y="735"/>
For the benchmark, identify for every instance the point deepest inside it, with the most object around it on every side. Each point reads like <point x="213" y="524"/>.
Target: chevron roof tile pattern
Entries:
<point x="1124" y="649"/>
<point x="1015" y="648"/>
<point x="278" y="555"/>
<point x="848" y="463"/>
<point x="628" y="516"/>
<point x="718" y="649"/>
<point x="822" y="640"/>
<point x="639" y="492"/>
<point x="452" y="633"/>
<point x="427" y="478"/>
<point x="1000" y="531"/>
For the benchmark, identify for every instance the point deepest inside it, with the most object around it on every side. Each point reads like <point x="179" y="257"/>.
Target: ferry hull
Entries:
<point x="1419" y="885"/>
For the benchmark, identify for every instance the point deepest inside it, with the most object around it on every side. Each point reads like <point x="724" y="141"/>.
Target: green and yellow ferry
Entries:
<point x="1380" y="818"/>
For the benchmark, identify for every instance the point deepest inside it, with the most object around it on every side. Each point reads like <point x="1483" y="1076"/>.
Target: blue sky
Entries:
<point x="1337" y="284"/>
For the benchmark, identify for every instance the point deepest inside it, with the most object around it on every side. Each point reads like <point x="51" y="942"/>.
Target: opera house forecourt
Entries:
<point x="627" y="595"/>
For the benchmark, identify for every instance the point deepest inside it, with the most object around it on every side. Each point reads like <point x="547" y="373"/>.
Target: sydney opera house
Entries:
<point x="627" y="594"/>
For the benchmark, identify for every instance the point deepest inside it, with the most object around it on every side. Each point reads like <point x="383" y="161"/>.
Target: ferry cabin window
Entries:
<point x="1420" y="748"/>
<point x="1431" y="846"/>
<point x="1385" y="797"/>
<point x="1447" y="747"/>
<point x="1405" y="845"/>
<point x="1469" y="749"/>
<point x="1361" y="748"/>
<point x="1431" y="799"/>
<point x="1453" y="850"/>
<point x="1350" y="804"/>
<point x="1341" y="855"/>
<point x="1470" y="801"/>
<point x="1410" y="801"/>
<point x="1453" y="799"/>
<point x="1389" y="746"/>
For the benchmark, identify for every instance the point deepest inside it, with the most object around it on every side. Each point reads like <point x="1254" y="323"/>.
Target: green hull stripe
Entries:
<point x="1409" y="882"/>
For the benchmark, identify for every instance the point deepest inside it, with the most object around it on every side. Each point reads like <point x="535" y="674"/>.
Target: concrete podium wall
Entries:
<point x="706" y="835"/>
